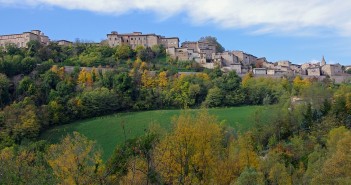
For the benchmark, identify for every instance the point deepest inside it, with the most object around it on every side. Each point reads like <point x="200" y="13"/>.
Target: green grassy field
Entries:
<point x="107" y="130"/>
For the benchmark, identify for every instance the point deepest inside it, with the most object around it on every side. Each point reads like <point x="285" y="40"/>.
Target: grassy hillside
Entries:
<point x="108" y="132"/>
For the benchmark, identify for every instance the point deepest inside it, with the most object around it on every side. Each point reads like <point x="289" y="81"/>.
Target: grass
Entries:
<point x="108" y="131"/>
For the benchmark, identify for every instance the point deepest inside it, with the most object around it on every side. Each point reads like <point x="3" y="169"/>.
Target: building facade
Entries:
<point x="332" y="69"/>
<point x="200" y="47"/>
<point x="21" y="40"/>
<point x="314" y="71"/>
<point x="244" y="58"/>
<point x="64" y="43"/>
<point x="170" y="42"/>
<point x="139" y="39"/>
<point x="260" y="71"/>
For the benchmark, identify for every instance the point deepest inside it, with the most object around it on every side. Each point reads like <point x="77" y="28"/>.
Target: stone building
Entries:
<point x="332" y="69"/>
<point x="314" y="71"/>
<point x="259" y="71"/>
<point x="139" y="39"/>
<point x="64" y="43"/>
<point x="268" y="65"/>
<point x="244" y="58"/>
<point x="270" y="72"/>
<point x="284" y="63"/>
<point x="180" y="53"/>
<point x="237" y="67"/>
<point x="229" y="58"/>
<point x="21" y="40"/>
<point x="261" y="62"/>
<point x="201" y="47"/>
<point x="170" y="42"/>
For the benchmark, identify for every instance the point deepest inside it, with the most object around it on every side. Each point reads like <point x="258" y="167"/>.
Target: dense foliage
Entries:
<point x="305" y="141"/>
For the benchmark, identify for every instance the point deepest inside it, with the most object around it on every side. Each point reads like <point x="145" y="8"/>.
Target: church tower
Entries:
<point x="323" y="62"/>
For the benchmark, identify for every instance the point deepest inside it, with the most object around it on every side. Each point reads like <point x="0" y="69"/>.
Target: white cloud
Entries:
<point x="296" y="17"/>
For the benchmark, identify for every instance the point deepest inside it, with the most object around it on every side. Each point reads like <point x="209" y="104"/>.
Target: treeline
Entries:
<point x="56" y="98"/>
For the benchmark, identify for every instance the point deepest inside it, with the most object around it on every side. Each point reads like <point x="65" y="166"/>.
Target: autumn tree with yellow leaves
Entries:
<point x="75" y="160"/>
<point x="189" y="154"/>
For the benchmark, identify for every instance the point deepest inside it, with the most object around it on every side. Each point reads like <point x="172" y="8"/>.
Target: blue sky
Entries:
<point x="300" y="32"/>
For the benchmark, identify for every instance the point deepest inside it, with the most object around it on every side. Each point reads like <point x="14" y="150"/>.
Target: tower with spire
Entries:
<point x="323" y="62"/>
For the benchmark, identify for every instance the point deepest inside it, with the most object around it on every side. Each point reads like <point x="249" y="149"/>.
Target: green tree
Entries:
<point x="33" y="48"/>
<point x="158" y="50"/>
<point x="123" y="52"/>
<point x="93" y="58"/>
<point x="4" y="90"/>
<point x="214" y="97"/>
<point x="26" y="87"/>
<point x="21" y="121"/>
<point x="27" y="65"/>
<point x="249" y="177"/>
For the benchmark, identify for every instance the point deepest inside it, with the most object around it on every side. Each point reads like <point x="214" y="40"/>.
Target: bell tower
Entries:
<point x="323" y="62"/>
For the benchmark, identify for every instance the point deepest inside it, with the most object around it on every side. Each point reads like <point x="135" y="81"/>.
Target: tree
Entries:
<point x="147" y="80"/>
<point x="27" y="65"/>
<point x="250" y="176"/>
<point x="162" y="79"/>
<point x="26" y="87"/>
<point x="145" y="54"/>
<point x="4" y="90"/>
<point x="246" y="78"/>
<point x="300" y="84"/>
<point x="123" y="84"/>
<point x="133" y="162"/>
<point x="279" y="175"/>
<point x="75" y="160"/>
<point x="123" y="52"/>
<point x="158" y="50"/>
<point x="92" y="58"/>
<point x="213" y="40"/>
<point x="230" y="85"/>
<point x="21" y="120"/>
<point x="214" y="97"/>
<point x="188" y="155"/>
<point x="33" y="48"/>
<point x="25" y="165"/>
<point x="334" y="167"/>
<point x="12" y="49"/>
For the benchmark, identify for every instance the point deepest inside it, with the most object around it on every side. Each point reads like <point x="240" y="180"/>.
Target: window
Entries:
<point x="131" y="39"/>
<point x="115" y="38"/>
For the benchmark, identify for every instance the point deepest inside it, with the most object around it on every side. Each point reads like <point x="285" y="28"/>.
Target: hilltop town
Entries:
<point x="202" y="52"/>
<point x="146" y="109"/>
